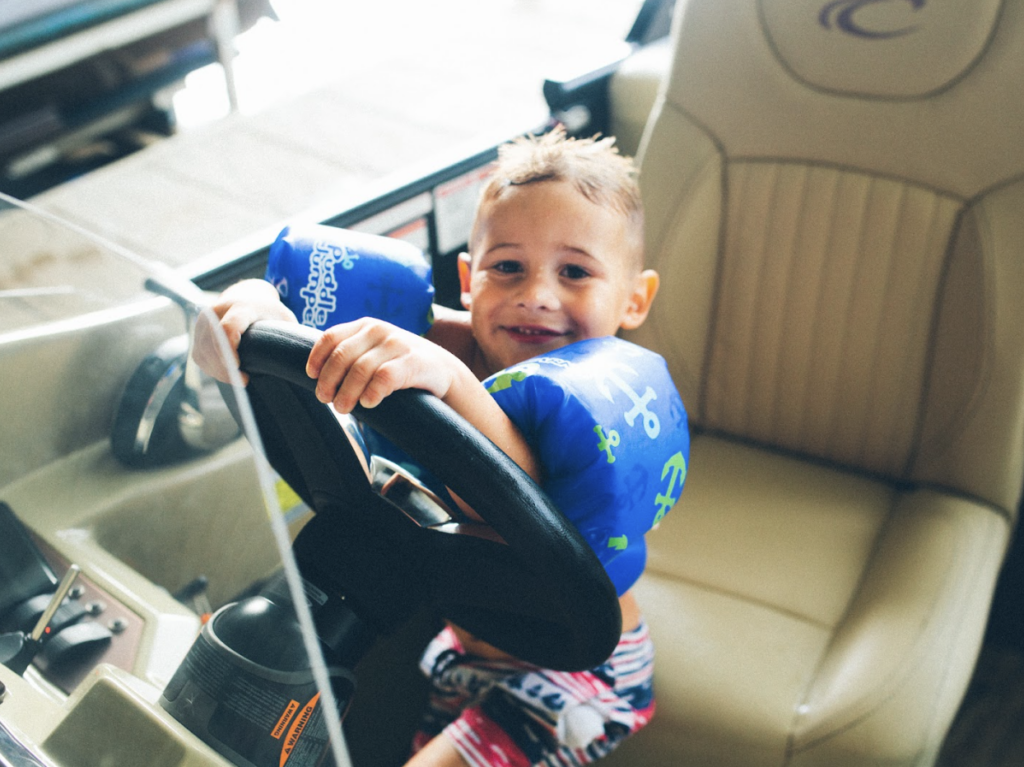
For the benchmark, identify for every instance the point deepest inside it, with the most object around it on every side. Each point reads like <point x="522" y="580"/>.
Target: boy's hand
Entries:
<point x="237" y="308"/>
<point x="366" y="360"/>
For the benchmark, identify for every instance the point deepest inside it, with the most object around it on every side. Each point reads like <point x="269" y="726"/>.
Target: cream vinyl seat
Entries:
<point x="835" y="202"/>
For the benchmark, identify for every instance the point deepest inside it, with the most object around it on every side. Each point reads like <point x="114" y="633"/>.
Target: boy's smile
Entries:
<point x="549" y="267"/>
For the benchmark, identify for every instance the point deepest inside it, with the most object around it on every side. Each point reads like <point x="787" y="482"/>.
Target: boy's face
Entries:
<point x="548" y="268"/>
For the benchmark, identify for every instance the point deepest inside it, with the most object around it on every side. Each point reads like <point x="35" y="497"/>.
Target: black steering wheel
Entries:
<point x="539" y="592"/>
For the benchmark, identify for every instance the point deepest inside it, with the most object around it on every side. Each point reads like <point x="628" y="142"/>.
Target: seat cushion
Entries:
<point x="785" y="599"/>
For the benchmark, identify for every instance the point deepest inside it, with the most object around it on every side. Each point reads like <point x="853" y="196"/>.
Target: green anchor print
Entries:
<point x="504" y="380"/>
<point x="675" y="470"/>
<point x="605" y="444"/>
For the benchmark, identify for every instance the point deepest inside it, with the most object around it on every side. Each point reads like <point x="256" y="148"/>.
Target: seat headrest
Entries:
<point x="879" y="48"/>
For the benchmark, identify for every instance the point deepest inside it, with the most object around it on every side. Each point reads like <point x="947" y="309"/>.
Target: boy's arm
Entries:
<point x="452" y="330"/>
<point x="381" y="357"/>
<point x="249" y="301"/>
<point x="366" y="360"/>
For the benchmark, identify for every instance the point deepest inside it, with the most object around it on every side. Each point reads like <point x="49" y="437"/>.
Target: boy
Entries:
<point x="555" y="257"/>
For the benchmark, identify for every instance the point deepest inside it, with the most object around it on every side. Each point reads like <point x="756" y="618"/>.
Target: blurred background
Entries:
<point x="177" y="128"/>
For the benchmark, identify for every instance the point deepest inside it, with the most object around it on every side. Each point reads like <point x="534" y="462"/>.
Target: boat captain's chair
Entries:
<point x="835" y="202"/>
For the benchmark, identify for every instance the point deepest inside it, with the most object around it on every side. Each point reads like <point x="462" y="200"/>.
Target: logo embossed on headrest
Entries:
<point x="842" y="15"/>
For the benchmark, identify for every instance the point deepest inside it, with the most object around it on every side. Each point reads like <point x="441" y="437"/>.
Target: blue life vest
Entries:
<point x="610" y="432"/>
<point x="328" y="276"/>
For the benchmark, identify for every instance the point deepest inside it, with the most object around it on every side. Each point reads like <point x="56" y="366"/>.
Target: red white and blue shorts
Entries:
<point x="513" y="714"/>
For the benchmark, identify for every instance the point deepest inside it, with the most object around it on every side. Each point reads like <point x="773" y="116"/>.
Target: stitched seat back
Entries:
<point x="834" y="198"/>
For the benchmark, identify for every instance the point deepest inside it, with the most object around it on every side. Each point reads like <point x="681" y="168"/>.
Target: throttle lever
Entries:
<point x="16" y="649"/>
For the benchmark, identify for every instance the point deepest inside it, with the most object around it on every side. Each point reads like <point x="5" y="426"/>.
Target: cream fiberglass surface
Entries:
<point x="166" y="542"/>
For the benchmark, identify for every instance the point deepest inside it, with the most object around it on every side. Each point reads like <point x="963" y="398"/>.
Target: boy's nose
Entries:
<point x="539" y="293"/>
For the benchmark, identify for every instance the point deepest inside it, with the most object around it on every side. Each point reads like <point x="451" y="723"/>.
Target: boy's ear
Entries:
<point x="640" y="300"/>
<point x="465" y="263"/>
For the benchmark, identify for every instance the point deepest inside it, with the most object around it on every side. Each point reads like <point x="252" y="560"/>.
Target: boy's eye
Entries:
<point x="507" y="267"/>
<point x="574" y="272"/>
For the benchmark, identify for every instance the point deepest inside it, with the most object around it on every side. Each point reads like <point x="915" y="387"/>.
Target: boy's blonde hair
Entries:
<point x="592" y="165"/>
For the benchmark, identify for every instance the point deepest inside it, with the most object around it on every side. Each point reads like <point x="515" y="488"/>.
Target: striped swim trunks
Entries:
<point x="509" y="713"/>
